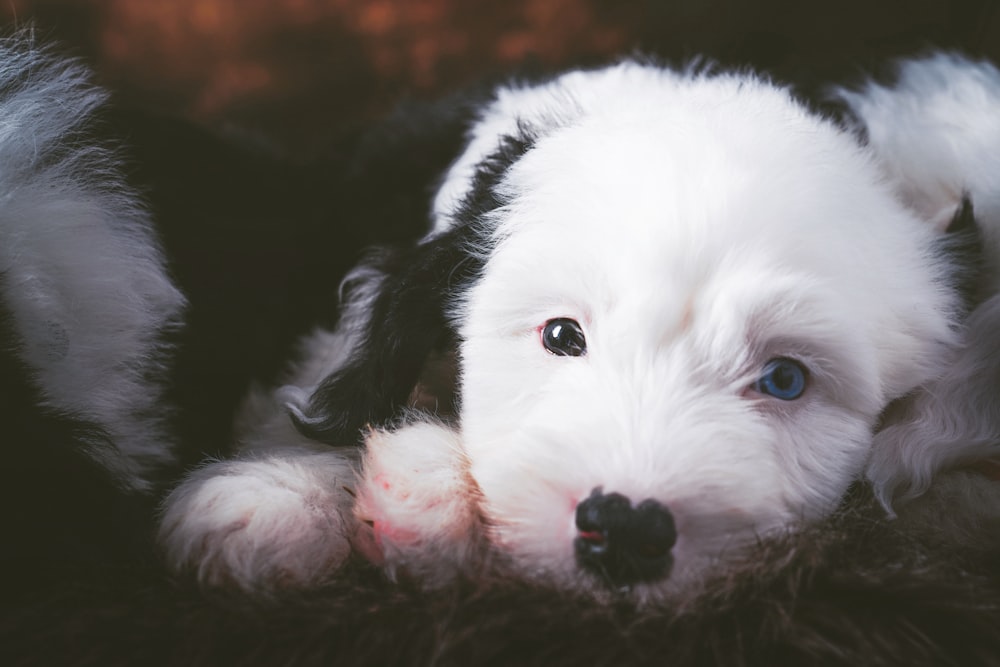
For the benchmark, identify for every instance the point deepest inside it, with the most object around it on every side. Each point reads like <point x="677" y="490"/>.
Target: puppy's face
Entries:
<point x="696" y="304"/>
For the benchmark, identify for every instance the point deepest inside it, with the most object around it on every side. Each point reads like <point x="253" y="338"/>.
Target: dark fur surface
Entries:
<point x="855" y="591"/>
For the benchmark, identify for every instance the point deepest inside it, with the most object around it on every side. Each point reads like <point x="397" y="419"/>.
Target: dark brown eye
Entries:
<point x="564" y="337"/>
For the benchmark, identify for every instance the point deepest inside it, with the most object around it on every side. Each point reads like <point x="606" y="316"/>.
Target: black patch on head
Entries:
<point x="409" y="321"/>
<point x="482" y="197"/>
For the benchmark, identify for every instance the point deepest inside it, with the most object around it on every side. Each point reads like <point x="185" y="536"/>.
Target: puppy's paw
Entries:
<point x="420" y="503"/>
<point x="261" y="524"/>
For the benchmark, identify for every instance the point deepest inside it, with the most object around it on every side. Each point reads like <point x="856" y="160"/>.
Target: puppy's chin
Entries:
<point x="700" y="555"/>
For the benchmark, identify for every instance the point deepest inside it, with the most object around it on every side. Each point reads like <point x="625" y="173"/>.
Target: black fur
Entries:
<point x="259" y="243"/>
<point x="410" y="319"/>
<point x="962" y="244"/>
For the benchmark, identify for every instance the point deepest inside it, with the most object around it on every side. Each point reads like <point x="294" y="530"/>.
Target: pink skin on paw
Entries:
<point x="386" y="532"/>
<point x="371" y="540"/>
<point x="376" y="533"/>
<point x="381" y="480"/>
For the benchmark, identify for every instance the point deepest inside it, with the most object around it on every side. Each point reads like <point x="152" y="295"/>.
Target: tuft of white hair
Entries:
<point x="936" y="133"/>
<point x="82" y="273"/>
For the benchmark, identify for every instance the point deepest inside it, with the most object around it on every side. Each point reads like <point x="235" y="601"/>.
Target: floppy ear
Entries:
<point x="404" y="354"/>
<point x="954" y="419"/>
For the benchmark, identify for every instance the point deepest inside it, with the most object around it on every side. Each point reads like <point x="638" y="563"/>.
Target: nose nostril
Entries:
<point x="656" y="524"/>
<point x="622" y="543"/>
<point x="651" y="551"/>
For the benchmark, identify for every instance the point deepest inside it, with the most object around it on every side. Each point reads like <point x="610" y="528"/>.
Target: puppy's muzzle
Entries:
<point x="621" y="543"/>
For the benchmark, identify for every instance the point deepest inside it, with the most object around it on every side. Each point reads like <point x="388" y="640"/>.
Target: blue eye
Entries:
<point x="784" y="379"/>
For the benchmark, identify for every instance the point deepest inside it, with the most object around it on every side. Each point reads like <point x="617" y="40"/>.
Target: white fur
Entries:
<point x="82" y="273"/>
<point x="417" y="498"/>
<point x="280" y="520"/>
<point x="694" y="233"/>
<point x="952" y="420"/>
<point x="696" y="226"/>
<point x="937" y="134"/>
<point x="280" y="515"/>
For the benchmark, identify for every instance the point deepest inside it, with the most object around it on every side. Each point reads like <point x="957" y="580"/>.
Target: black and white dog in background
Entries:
<point x="657" y="316"/>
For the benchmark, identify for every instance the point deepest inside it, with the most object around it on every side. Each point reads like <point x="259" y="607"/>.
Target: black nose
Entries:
<point x="622" y="543"/>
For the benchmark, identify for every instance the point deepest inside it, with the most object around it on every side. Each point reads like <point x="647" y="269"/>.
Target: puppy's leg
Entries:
<point x="420" y="504"/>
<point x="280" y="520"/>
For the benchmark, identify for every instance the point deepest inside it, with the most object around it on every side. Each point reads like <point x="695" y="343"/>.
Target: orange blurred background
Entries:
<point x="300" y="71"/>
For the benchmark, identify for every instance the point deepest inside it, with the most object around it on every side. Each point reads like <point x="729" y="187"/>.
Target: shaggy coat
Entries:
<point x="620" y="274"/>
<point x="658" y="315"/>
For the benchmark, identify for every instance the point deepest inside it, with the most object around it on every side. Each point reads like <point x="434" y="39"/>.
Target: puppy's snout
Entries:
<point x="622" y="543"/>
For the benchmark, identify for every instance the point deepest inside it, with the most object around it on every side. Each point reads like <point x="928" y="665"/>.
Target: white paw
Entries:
<point x="419" y="501"/>
<point x="262" y="524"/>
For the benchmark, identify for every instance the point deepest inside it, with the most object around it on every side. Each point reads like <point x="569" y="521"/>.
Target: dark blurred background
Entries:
<point x="300" y="71"/>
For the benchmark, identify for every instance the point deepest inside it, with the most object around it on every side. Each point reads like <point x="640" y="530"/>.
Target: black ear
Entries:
<point x="962" y="243"/>
<point x="407" y="354"/>
<point x="407" y="341"/>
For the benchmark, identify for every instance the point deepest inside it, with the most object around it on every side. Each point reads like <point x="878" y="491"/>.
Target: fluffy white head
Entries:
<point x="696" y="228"/>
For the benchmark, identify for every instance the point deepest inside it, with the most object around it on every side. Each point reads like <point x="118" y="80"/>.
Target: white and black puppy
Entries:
<point x="658" y="315"/>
